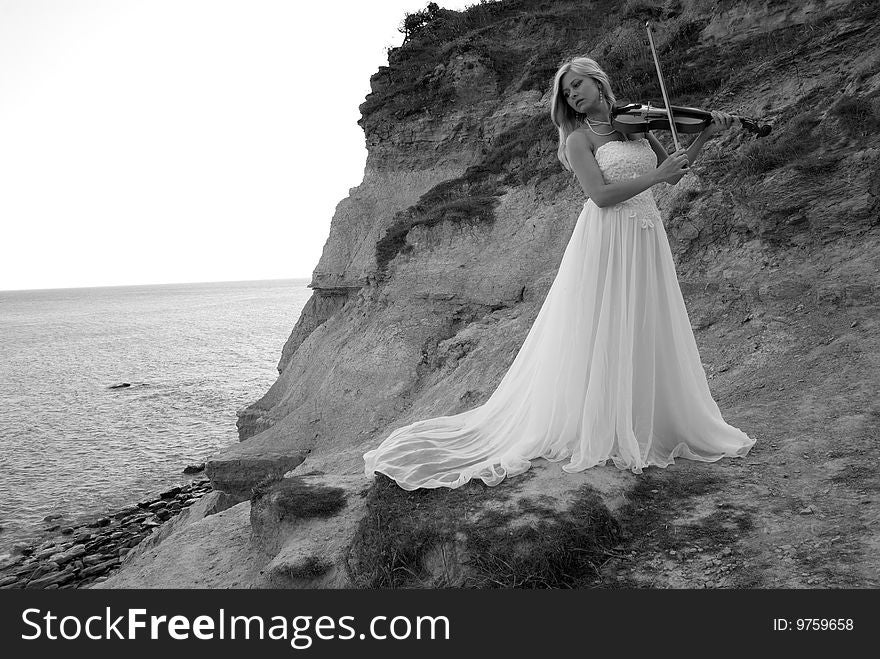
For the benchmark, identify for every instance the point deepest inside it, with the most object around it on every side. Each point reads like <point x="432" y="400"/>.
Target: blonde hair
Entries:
<point x="564" y="117"/>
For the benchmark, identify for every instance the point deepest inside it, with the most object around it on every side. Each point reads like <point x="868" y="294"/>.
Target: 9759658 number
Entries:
<point x="813" y="624"/>
<point x="824" y="624"/>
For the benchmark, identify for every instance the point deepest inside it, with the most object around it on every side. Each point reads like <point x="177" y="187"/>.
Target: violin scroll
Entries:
<point x="751" y="125"/>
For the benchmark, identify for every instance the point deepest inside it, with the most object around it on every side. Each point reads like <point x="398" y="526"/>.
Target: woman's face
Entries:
<point x="580" y="92"/>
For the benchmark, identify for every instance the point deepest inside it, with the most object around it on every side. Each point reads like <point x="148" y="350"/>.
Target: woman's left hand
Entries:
<point x="720" y="121"/>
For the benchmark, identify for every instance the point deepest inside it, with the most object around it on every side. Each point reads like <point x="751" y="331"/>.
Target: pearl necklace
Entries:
<point x="586" y="122"/>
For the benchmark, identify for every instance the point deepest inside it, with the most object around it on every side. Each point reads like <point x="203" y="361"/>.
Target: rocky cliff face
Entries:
<point x="437" y="264"/>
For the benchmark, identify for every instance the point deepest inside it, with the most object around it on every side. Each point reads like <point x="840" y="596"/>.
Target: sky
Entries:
<point x="160" y="141"/>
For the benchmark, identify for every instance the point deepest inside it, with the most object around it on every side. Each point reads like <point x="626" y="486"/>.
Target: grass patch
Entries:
<point x="312" y="568"/>
<point x="293" y="498"/>
<point x="553" y="549"/>
<point x="523" y="152"/>
<point x="560" y="550"/>
<point x="539" y="69"/>
<point x="534" y="544"/>
<point x="289" y="575"/>
<point x="791" y="142"/>
<point x="519" y="155"/>
<point x="446" y="201"/>
<point x="628" y="60"/>
<point x="859" y="116"/>
<point x="400" y="527"/>
<point x="642" y="10"/>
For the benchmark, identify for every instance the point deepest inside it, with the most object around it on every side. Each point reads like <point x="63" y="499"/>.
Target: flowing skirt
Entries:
<point x="609" y="370"/>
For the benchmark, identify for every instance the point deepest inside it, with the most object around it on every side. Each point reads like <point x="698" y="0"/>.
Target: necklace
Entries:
<point x="586" y="122"/>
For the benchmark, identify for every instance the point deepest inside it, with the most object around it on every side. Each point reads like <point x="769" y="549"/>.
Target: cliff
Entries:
<point x="438" y="262"/>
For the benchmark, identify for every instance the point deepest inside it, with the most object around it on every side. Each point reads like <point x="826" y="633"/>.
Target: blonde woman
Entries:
<point x="609" y="369"/>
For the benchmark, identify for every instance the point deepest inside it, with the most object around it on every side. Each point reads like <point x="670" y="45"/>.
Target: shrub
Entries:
<point x="294" y="498"/>
<point x="560" y="549"/>
<point x="413" y="23"/>
<point x="857" y="115"/>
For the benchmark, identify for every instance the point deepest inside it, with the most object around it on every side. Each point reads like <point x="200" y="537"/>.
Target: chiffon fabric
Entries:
<point x="609" y="369"/>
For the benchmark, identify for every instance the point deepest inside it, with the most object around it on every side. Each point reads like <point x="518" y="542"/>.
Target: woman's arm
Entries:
<point x="720" y="121"/>
<point x="603" y="194"/>
<point x="659" y="149"/>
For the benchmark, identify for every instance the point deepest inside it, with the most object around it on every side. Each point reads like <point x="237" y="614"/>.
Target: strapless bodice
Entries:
<point x="621" y="160"/>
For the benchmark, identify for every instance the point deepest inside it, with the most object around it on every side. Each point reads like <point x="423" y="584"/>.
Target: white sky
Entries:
<point x="155" y="141"/>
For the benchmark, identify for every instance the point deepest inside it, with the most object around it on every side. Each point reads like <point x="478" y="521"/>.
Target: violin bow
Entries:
<point x="663" y="87"/>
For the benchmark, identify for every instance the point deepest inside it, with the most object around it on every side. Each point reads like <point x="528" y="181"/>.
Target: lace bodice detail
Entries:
<point x="622" y="160"/>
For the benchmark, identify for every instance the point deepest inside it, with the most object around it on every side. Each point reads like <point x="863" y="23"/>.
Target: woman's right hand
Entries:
<point x="673" y="167"/>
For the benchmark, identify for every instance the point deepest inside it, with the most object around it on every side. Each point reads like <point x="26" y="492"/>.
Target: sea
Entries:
<point x="74" y="443"/>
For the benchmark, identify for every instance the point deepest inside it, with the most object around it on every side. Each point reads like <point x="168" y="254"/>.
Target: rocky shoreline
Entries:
<point x="89" y="552"/>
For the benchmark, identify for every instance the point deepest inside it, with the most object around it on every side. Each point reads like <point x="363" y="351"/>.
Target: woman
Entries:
<point x="610" y="368"/>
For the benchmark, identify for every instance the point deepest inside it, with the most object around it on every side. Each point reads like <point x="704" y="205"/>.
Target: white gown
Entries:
<point x="609" y="369"/>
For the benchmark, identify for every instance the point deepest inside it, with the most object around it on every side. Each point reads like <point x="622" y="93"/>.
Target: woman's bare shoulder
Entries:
<point x="581" y="137"/>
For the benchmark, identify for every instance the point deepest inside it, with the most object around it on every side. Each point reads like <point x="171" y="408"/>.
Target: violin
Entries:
<point x="639" y="118"/>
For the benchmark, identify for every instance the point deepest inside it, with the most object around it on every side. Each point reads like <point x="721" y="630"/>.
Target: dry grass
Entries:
<point x="312" y="568"/>
<point x="561" y="549"/>
<point x="859" y="116"/>
<point x="790" y="142"/>
<point x="473" y="197"/>
<point x="296" y="499"/>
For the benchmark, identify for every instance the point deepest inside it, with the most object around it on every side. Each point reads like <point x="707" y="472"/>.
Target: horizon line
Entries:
<point x="164" y="283"/>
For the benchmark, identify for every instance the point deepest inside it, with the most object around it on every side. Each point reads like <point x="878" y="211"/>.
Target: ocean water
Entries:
<point x="194" y="354"/>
